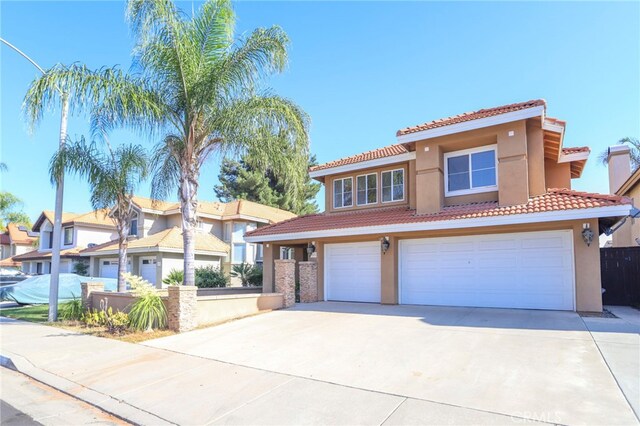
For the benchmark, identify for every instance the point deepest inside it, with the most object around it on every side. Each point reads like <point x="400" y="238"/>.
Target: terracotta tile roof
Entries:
<point x="169" y="239"/>
<point x="10" y="261"/>
<point x="387" y="151"/>
<point x="66" y="217"/>
<point x="19" y="236"/>
<point x="97" y="217"/>
<point x="474" y="115"/>
<point x="553" y="200"/>
<point x="37" y="255"/>
<point x="575" y="149"/>
<point x="225" y="210"/>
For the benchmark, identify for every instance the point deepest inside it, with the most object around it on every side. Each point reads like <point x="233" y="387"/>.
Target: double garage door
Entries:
<point x="532" y="270"/>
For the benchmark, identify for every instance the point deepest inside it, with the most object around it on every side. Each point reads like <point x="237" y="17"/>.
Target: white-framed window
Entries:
<point x="367" y="189"/>
<point x="342" y="193"/>
<point x="239" y="252"/>
<point x="259" y="252"/>
<point x="133" y="226"/>
<point x="392" y="185"/>
<point x="68" y="236"/>
<point x="470" y="171"/>
<point x="239" y="229"/>
<point x="226" y="234"/>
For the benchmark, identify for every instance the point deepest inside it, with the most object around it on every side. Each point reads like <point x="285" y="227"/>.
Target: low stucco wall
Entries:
<point x="117" y="301"/>
<point x="213" y="309"/>
<point x="219" y="291"/>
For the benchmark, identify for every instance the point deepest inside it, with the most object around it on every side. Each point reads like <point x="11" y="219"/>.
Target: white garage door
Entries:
<point x="109" y="268"/>
<point x="352" y="272"/>
<point x="531" y="270"/>
<point x="148" y="269"/>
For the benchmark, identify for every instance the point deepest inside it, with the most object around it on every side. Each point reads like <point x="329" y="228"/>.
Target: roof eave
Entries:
<point x="393" y="159"/>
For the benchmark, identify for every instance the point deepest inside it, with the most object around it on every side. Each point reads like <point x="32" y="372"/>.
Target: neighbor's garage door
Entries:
<point x="109" y="268"/>
<point x="352" y="272"/>
<point x="525" y="270"/>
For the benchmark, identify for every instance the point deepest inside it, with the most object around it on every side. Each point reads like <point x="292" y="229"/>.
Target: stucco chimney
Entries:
<point x="619" y="161"/>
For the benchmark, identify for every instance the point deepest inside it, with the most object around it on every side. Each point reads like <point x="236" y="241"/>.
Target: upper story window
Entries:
<point x="226" y="234"/>
<point x="393" y="185"/>
<point x="343" y="193"/>
<point x="470" y="171"/>
<point x="367" y="187"/>
<point x="239" y="229"/>
<point x="68" y="236"/>
<point x="133" y="227"/>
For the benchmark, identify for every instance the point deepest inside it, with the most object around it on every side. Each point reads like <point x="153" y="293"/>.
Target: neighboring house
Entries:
<point x="623" y="182"/>
<point x="471" y="210"/>
<point x="16" y="240"/>
<point x="79" y="231"/>
<point x="156" y="248"/>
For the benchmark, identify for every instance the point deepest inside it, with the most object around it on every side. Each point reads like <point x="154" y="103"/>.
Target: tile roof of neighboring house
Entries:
<point x="553" y="200"/>
<point x="97" y="217"/>
<point x="19" y="236"/>
<point x="387" y="151"/>
<point x="225" y="210"/>
<point x="631" y="182"/>
<point x="167" y="239"/>
<point x="575" y="149"/>
<point x="37" y="254"/>
<point x="474" y="115"/>
<point x="10" y="261"/>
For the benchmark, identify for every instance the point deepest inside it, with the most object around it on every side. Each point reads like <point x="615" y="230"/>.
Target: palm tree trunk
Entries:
<point x="188" y="206"/>
<point x="122" y="263"/>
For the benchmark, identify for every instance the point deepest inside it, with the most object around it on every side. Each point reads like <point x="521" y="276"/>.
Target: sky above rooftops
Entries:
<point x="362" y="70"/>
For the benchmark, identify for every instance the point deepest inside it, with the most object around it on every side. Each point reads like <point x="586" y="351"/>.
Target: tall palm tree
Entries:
<point x="113" y="177"/>
<point x="634" y="144"/>
<point x="211" y="100"/>
<point x="196" y="87"/>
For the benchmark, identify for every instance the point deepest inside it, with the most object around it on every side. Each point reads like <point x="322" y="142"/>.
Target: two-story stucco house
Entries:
<point x="625" y="182"/>
<point x="16" y="240"/>
<point x="156" y="248"/>
<point x="79" y="231"/>
<point x="471" y="210"/>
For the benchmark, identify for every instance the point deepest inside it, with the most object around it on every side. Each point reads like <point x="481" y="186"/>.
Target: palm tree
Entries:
<point x="635" y="152"/>
<point x="113" y="177"/>
<point x="211" y="100"/>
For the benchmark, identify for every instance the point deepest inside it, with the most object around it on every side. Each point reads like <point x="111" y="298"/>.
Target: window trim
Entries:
<point x="244" y="258"/>
<point x="366" y="175"/>
<point x="469" y="152"/>
<point x="333" y="192"/>
<point x="64" y="236"/>
<point x="404" y="186"/>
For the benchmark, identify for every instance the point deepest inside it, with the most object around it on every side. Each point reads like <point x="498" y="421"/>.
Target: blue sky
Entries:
<point x="362" y="70"/>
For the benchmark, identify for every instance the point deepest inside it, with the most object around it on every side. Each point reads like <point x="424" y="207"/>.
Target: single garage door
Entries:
<point x="148" y="269"/>
<point x="352" y="272"/>
<point x="109" y="268"/>
<point x="531" y="270"/>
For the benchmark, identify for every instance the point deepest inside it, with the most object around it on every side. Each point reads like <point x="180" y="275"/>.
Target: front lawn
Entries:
<point x="40" y="314"/>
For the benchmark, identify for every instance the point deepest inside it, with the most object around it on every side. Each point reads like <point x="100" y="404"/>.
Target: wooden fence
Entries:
<point x="620" y="273"/>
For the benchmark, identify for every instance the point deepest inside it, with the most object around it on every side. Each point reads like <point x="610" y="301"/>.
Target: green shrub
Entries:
<point x="94" y="318"/>
<point x="71" y="310"/>
<point x="117" y="322"/>
<point x="175" y="277"/>
<point x="209" y="277"/>
<point x="255" y="276"/>
<point x="81" y="268"/>
<point x="250" y="275"/>
<point x="148" y="311"/>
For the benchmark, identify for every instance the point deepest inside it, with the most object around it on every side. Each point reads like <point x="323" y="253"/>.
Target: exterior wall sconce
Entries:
<point x="311" y="248"/>
<point x="587" y="234"/>
<point x="385" y="244"/>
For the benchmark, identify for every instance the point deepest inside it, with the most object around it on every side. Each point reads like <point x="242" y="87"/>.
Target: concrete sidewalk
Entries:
<point x="153" y="386"/>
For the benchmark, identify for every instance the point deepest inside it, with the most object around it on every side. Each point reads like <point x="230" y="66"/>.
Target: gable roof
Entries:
<point x="95" y="218"/>
<point x="166" y="240"/>
<point x="387" y="151"/>
<point x="473" y="115"/>
<point x="237" y="209"/>
<point x="38" y="255"/>
<point x="18" y="235"/>
<point x="555" y="200"/>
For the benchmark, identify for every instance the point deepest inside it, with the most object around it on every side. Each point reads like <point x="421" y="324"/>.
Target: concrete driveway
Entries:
<point x="537" y="365"/>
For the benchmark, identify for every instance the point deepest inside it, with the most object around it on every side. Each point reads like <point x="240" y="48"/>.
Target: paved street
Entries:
<point x="342" y="363"/>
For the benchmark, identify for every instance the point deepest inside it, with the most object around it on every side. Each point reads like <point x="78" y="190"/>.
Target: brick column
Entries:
<point x="181" y="307"/>
<point x="285" y="280"/>
<point x="86" y="289"/>
<point x="308" y="282"/>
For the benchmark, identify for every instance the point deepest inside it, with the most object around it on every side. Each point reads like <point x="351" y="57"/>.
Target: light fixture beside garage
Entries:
<point x="385" y="244"/>
<point x="587" y="234"/>
<point x="311" y="248"/>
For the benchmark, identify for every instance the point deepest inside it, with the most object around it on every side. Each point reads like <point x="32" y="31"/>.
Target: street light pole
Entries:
<point x="57" y="221"/>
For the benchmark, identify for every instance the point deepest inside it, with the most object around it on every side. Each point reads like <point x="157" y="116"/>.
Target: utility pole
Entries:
<point x="57" y="222"/>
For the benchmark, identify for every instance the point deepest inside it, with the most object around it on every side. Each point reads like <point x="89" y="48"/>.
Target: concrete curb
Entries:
<point x="107" y="403"/>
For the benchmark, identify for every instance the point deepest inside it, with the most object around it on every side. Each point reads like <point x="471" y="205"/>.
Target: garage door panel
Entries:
<point x="521" y="270"/>
<point x="352" y="271"/>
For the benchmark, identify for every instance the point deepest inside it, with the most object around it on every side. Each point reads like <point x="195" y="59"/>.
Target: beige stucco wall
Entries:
<point x="535" y="157"/>
<point x="557" y="175"/>
<point x="215" y="309"/>
<point x="587" y="269"/>
<point x="628" y="235"/>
